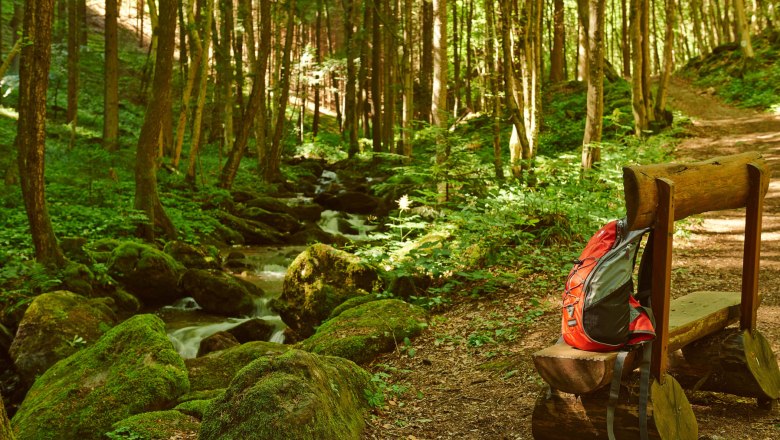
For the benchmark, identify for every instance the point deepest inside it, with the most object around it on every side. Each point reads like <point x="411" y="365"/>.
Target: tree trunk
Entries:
<point x="260" y="69"/>
<point x="225" y="60"/>
<point x="559" y="35"/>
<point x="350" y="104"/>
<point x="197" y="123"/>
<point x="192" y="73"/>
<point x="271" y="170"/>
<point x="34" y="66"/>
<point x="591" y="152"/>
<point x="111" y="78"/>
<point x="255" y="108"/>
<point x="697" y="35"/>
<point x="408" y="72"/>
<point x="363" y="94"/>
<point x="73" y="63"/>
<point x="455" y="61"/>
<point x="315" y="118"/>
<point x="625" y="42"/>
<point x="513" y="93"/>
<point x="640" y="78"/>
<point x="390" y="47"/>
<point x="426" y="61"/>
<point x="146" y="197"/>
<point x="743" y="30"/>
<point x="376" y="77"/>
<point x="469" y="63"/>
<point x="666" y="73"/>
<point x="439" y="112"/>
<point x="492" y="78"/>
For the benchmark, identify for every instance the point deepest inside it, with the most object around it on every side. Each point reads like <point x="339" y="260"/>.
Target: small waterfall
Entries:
<point x="352" y="226"/>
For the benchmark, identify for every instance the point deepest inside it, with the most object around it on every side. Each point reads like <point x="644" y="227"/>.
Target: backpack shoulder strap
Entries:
<point x="645" y="278"/>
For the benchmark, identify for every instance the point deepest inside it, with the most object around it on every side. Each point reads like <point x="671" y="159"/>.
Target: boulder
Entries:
<point x="313" y="233"/>
<point x="227" y="235"/>
<point x="56" y="325"/>
<point x="6" y="433"/>
<point x="269" y="204"/>
<point x="255" y="329"/>
<point x="157" y="425"/>
<point x="77" y="278"/>
<point x="191" y="257"/>
<point x="363" y="332"/>
<point x="320" y="279"/>
<point x="195" y="403"/>
<point x="132" y="369"/>
<point x="149" y="274"/>
<point x="216" y="342"/>
<point x="353" y="202"/>
<point x="295" y="396"/>
<point x="215" y="370"/>
<point x="219" y="292"/>
<point x="309" y="212"/>
<point x="101" y="250"/>
<point x="254" y="232"/>
<point x="278" y="220"/>
<point x="352" y="302"/>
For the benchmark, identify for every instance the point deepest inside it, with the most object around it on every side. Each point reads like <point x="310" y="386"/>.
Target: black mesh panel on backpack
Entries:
<point x="607" y="321"/>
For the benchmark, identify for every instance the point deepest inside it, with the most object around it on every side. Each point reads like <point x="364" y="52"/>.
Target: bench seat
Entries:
<point x="691" y="317"/>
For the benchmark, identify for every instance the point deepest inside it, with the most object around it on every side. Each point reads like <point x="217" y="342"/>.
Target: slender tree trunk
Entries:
<point x="350" y="105"/>
<point x="640" y="79"/>
<point x="271" y="170"/>
<point x="559" y="35"/>
<point x="439" y="113"/>
<point x="254" y="109"/>
<point x="582" y="40"/>
<point x="146" y="197"/>
<point x="226" y="87"/>
<point x="82" y="14"/>
<point x="192" y="73"/>
<point x="333" y="80"/>
<point x="376" y="77"/>
<point x="31" y="128"/>
<point x="743" y="30"/>
<point x="625" y="41"/>
<point x="111" y="79"/>
<point x="469" y="63"/>
<point x="456" y="60"/>
<point x="73" y="62"/>
<point x="363" y="93"/>
<point x="697" y="35"/>
<point x="390" y="52"/>
<point x="261" y="71"/>
<point x="197" y="123"/>
<point x="426" y="61"/>
<point x="492" y="78"/>
<point x="408" y="72"/>
<point x="666" y="73"/>
<point x="656" y="57"/>
<point x="513" y="93"/>
<point x="315" y="118"/>
<point x="591" y="152"/>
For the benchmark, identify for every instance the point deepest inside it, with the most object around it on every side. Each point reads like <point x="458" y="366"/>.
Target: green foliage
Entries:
<point x="752" y="84"/>
<point x="383" y="390"/>
<point x="124" y="433"/>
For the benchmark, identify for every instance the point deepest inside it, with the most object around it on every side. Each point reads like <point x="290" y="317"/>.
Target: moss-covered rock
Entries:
<point x="73" y="248"/>
<point x="294" y="396"/>
<point x="6" y="433"/>
<point x="313" y="233"/>
<point x="307" y="212"/>
<point x="191" y="257"/>
<point x="320" y="279"/>
<point x="271" y="204"/>
<point x="194" y="408"/>
<point x="101" y="250"/>
<point x="254" y="232"/>
<point x="77" y="278"/>
<point x="278" y="220"/>
<point x="361" y="333"/>
<point x="219" y="292"/>
<point x="146" y="272"/>
<point x="157" y="425"/>
<point x="216" y="342"/>
<point x="132" y="369"/>
<point x="215" y="370"/>
<point x="352" y="302"/>
<point x="56" y="325"/>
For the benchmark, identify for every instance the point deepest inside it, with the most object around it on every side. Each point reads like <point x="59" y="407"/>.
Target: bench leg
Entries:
<point x="733" y="361"/>
<point x="559" y="416"/>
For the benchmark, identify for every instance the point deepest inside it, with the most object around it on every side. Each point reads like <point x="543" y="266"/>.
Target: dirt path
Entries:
<point x="471" y="376"/>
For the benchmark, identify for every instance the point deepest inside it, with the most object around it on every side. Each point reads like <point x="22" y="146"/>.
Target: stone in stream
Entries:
<point x="216" y="342"/>
<point x="296" y="395"/>
<point x="255" y="329"/>
<point x="320" y="279"/>
<point x="149" y="274"/>
<point x="56" y="325"/>
<point x="362" y="332"/>
<point x="349" y="201"/>
<point x="132" y="369"/>
<point x="219" y="292"/>
<point x="280" y="221"/>
<point x="271" y="204"/>
<point x="254" y="232"/>
<point x="191" y="257"/>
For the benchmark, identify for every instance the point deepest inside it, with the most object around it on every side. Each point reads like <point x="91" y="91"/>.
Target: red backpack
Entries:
<point x="600" y="310"/>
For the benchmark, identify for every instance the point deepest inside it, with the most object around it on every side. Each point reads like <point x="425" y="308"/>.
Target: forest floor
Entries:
<point x="471" y="375"/>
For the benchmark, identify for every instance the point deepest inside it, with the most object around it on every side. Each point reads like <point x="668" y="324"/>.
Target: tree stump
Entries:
<point x="739" y="362"/>
<point x="563" y="416"/>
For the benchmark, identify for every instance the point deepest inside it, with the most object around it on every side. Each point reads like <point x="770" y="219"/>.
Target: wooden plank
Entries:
<point x="690" y="317"/>
<point x="711" y="185"/>
<point x="663" y="233"/>
<point x="699" y="314"/>
<point x="752" y="253"/>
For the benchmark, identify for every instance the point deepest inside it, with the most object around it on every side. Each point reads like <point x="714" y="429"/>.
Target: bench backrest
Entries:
<point x="657" y="195"/>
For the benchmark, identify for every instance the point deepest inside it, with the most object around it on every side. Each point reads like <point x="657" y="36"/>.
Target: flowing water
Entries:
<point x="187" y="324"/>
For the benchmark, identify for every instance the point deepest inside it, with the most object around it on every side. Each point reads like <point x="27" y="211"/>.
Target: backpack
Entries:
<point x="600" y="310"/>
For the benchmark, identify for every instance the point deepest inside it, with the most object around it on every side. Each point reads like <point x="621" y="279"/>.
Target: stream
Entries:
<point x="187" y="325"/>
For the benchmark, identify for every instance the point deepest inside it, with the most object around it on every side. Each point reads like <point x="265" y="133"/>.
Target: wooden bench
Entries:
<point x="656" y="196"/>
